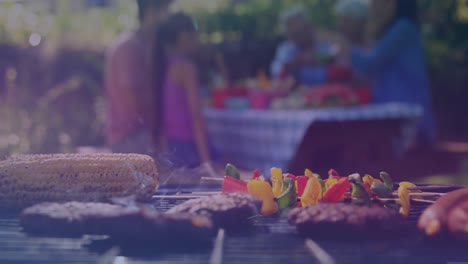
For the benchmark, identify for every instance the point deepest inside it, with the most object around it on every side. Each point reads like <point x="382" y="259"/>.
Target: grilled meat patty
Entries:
<point x="227" y="210"/>
<point x="76" y="218"/>
<point x="345" y="220"/>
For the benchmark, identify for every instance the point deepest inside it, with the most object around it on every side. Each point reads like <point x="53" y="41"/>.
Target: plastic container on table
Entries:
<point x="336" y="72"/>
<point x="261" y="99"/>
<point x="220" y="95"/>
<point x="364" y="95"/>
<point x="237" y="103"/>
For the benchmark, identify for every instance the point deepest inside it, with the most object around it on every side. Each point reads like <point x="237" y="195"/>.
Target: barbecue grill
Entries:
<point x="271" y="241"/>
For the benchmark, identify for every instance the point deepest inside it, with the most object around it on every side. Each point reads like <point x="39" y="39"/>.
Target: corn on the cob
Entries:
<point x="30" y="179"/>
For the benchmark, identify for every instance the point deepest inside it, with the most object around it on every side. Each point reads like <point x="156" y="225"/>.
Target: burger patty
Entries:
<point x="345" y="220"/>
<point x="226" y="210"/>
<point x="76" y="218"/>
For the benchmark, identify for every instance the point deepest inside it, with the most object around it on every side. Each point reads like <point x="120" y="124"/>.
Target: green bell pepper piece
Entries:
<point x="356" y="176"/>
<point x="360" y="192"/>
<point x="231" y="171"/>
<point x="321" y="182"/>
<point x="288" y="197"/>
<point x="387" y="180"/>
<point x="381" y="190"/>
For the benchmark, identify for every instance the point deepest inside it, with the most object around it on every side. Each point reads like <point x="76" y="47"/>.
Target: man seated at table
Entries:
<point x="300" y="56"/>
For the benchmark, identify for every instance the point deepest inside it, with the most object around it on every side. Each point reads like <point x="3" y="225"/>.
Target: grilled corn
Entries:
<point x="30" y="179"/>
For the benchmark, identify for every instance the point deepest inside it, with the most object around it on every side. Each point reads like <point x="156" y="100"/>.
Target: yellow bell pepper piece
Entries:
<point x="330" y="182"/>
<point x="277" y="181"/>
<point x="369" y="179"/>
<point x="404" y="199"/>
<point x="309" y="174"/>
<point x="409" y="184"/>
<point x="312" y="192"/>
<point x="263" y="192"/>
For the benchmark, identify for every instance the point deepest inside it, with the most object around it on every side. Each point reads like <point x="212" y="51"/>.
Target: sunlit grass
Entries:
<point x="457" y="178"/>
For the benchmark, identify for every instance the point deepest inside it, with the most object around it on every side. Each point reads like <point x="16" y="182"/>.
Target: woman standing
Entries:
<point x="396" y="63"/>
<point x="180" y="118"/>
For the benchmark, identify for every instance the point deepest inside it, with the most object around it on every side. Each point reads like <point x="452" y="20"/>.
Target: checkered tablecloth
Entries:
<point x="254" y="139"/>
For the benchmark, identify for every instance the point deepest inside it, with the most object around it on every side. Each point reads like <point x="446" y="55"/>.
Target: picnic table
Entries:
<point x="261" y="139"/>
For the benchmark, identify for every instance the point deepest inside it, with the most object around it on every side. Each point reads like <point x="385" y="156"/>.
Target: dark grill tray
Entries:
<point x="272" y="241"/>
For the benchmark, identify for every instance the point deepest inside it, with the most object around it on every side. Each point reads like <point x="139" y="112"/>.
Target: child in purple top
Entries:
<point x="180" y="113"/>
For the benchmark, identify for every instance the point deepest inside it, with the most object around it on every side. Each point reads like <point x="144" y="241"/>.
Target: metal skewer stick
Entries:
<point x="434" y="187"/>
<point x="422" y="194"/>
<point x="216" y="179"/>
<point x="396" y="200"/>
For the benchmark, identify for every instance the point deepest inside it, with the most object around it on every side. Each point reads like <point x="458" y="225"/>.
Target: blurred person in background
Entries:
<point x="352" y="20"/>
<point x="300" y="56"/>
<point x="128" y="83"/>
<point x="396" y="63"/>
<point x="178" y="94"/>
<point x="213" y="70"/>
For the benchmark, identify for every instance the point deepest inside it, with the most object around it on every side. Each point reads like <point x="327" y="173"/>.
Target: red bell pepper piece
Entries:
<point x="333" y="174"/>
<point x="256" y="175"/>
<point x="336" y="191"/>
<point x="233" y="185"/>
<point x="301" y="182"/>
<point x="290" y="176"/>
<point x="367" y="187"/>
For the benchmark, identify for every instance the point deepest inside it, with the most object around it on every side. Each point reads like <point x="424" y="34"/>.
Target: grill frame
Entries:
<point x="270" y="241"/>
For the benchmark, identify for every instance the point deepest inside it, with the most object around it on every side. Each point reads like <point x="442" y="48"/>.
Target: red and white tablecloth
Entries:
<point x="264" y="139"/>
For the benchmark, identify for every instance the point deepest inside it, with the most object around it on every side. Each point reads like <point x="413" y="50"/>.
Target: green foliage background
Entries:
<point x="57" y="103"/>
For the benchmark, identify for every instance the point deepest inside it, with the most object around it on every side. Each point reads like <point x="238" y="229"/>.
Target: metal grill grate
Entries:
<point x="16" y="247"/>
<point x="273" y="241"/>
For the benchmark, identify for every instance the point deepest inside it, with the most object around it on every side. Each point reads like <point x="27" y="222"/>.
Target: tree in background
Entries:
<point x="57" y="97"/>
